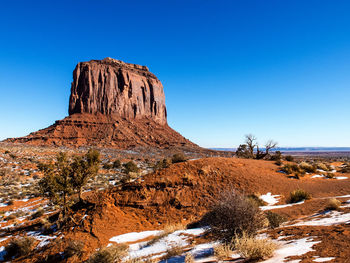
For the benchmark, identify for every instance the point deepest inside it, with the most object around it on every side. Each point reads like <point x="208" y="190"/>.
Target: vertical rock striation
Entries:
<point x="112" y="104"/>
<point x="112" y="87"/>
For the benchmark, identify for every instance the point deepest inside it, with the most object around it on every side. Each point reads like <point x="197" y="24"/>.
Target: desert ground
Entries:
<point x="156" y="214"/>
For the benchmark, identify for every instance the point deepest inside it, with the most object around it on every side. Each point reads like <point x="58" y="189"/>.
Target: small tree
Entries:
<point x="84" y="168"/>
<point x="242" y="151"/>
<point x="250" y="141"/>
<point x="252" y="150"/>
<point x="57" y="182"/>
<point x="65" y="177"/>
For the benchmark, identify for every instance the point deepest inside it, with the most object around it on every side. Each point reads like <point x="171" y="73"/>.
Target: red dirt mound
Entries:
<point x="183" y="193"/>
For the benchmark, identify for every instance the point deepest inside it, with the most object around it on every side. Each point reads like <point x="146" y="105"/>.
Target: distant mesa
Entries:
<point x="112" y="104"/>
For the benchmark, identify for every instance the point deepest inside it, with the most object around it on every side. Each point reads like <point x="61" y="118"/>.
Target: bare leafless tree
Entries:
<point x="250" y="141"/>
<point x="270" y="144"/>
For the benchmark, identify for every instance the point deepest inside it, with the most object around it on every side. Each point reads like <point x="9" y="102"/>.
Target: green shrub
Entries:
<point x="298" y="196"/>
<point x="130" y="167"/>
<point x="178" y="158"/>
<point x="20" y="247"/>
<point x="275" y="220"/>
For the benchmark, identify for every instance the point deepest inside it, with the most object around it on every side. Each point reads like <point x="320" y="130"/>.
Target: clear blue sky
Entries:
<point x="277" y="69"/>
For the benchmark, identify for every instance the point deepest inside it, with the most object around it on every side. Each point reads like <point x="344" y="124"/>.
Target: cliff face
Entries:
<point x="112" y="104"/>
<point x="112" y="87"/>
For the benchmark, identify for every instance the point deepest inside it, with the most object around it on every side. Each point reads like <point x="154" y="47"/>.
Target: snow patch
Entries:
<point x="318" y="259"/>
<point x="334" y="218"/>
<point x="341" y="177"/>
<point x="292" y="248"/>
<point x="270" y="199"/>
<point x="177" y="238"/>
<point x="134" y="236"/>
<point x="264" y="208"/>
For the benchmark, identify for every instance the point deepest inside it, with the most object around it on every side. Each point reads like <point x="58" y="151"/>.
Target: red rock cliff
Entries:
<point x="112" y="104"/>
<point x="112" y="87"/>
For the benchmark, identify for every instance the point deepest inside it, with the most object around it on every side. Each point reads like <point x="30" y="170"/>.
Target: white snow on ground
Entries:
<point x="278" y="206"/>
<point x="322" y="176"/>
<point x="334" y="218"/>
<point x="44" y="240"/>
<point x="341" y="177"/>
<point x="292" y="248"/>
<point x="318" y="259"/>
<point x="270" y="199"/>
<point x="318" y="176"/>
<point x="342" y="196"/>
<point x="141" y="249"/>
<point x="346" y="205"/>
<point x="134" y="236"/>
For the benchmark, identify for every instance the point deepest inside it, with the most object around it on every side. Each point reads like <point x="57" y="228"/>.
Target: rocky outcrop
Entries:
<point x="112" y="104"/>
<point x="112" y="87"/>
<point x="106" y="131"/>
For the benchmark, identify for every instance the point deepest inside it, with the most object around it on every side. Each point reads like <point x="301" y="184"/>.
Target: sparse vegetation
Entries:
<point x="64" y="177"/>
<point x="256" y="200"/>
<point x="165" y="163"/>
<point x="178" y="158"/>
<point x="110" y="254"/>
<point x="130" y="167"/>
<point x="107" y="166"/>
<point x="74" y="249"/>
<point x="168" y="229"/>
<point x="254" y="248"/>
<point x="251" y="150"/>
<point x="232" y="214"/>
<point x="289" y="158"/>
<point x="173" y="251"/>
<point x="38" y="213"/>
<point x="308" y="168"/>
<point x="20" y="247"/>
<point x="298" y="196"/>
<point x="275" y="220"/>
<point x="117" y="164"/>
<point x="333" y="204"/>
<point x="189" y="258"/>
<point x="223" y="251"/>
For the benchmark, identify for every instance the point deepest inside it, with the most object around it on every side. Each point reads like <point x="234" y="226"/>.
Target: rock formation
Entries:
<point x="112" y="87"/>
<point x="112" y="104"/>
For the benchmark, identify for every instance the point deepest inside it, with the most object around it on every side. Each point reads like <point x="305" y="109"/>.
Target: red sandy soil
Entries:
<point x="183" y="193"/>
